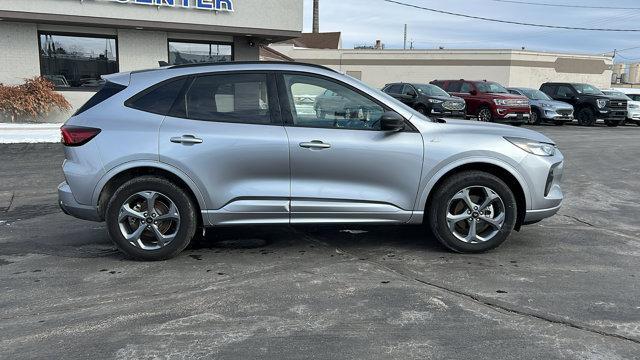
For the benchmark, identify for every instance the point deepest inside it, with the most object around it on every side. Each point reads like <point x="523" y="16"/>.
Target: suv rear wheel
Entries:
<point x="484" y="114"/>
<point x="150" y="218"/>
<point x="472" y="212"/>
<point x="586" y="117"/>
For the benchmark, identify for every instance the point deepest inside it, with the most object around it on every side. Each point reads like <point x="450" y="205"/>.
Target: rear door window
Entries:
<point x="454" y="86"/>
<point x="395" y="89"/>
<point x="466" y="87"/>
<point x="239" y="98"/>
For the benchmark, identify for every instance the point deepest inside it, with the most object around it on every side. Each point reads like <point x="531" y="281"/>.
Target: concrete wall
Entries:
<point x="139" y="49"/>
<point x="20" y="58"/>
<point x="508" y="67"/>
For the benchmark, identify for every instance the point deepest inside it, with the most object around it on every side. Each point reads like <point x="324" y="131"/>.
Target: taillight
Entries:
<point x="77" y="135"/>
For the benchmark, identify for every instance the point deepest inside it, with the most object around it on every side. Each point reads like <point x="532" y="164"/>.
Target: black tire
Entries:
<point x="439" y="208"/>
<point x="638" y="122"/>
<point x="611" y="123"/>
<point x="623" y="122"/>
<point x="187" y="215"/>
<point x="586" y="117"/>
<point x="484" y="114"/>
<point x="535" y="118"/>
<point x="422" y="109"/>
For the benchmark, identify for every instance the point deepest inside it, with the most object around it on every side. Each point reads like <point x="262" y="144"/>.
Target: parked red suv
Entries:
<point x="489" y="101"/>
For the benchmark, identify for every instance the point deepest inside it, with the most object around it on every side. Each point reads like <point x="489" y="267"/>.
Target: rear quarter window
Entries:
<point x="108" y="90"/>
<point x="159" y="98"/>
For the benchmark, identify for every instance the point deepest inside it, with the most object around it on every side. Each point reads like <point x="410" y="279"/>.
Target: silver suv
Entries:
<point x="159" y="154"/>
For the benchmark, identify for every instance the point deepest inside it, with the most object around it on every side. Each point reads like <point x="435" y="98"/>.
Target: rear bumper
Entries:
<point x="70" y="206"/>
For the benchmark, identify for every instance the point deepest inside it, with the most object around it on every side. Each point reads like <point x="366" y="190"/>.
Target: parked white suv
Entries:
<point x="633" y="105"/>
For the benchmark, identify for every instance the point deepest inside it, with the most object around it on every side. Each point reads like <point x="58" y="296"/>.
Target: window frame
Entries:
<point x="83" y="35"/>
<point x="275" y="112"/>
<point x="286" y="105"/>
<point x="204" y="42"/>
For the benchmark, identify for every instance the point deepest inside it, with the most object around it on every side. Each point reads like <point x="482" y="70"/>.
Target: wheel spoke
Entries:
<point x="135" y="236"/>
<point x="162" y="239"/>
<point x="126" y="211"/>
<point x="473" y="232"/>
<point x="464" y="196"/>
<point x="490" y="198"/>
<point x="496" y="222"/>
<point x="171" y="215"/>
<point x="452" y="220"/>
<point x="151" y="197"/>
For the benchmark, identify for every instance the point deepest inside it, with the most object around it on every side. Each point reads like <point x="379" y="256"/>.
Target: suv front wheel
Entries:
<point x="150" y="218"/>
<point x="485" y="115"/>
<point x="472" y="212"/>
<point x="586" y="117"/>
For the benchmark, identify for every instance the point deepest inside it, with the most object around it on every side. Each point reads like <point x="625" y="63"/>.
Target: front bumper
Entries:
<point x="70" y="206"/>
<point x="544" y="176"/>
<point x="633" y="115"/>
<point x="613" y="115"/>
<point x="512" y="115"/>
<point x="555" y="115"/>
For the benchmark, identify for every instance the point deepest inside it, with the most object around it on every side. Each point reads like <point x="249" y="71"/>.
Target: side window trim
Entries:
<point x="130" y="101"/>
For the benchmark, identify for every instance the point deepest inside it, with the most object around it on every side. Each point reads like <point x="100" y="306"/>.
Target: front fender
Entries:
<point x="444" y="167"/>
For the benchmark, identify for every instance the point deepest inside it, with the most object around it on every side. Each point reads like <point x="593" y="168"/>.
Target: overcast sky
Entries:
<point x="364" y="21"/>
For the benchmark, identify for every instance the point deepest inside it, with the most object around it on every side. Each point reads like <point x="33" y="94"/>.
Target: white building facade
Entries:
<point x="74" y="42"/>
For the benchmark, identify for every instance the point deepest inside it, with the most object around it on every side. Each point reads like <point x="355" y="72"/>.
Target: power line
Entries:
<point x="507" y="21"/>
<point x="567" y="5"/>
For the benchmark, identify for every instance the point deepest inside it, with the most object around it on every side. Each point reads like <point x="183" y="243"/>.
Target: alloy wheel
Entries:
<point x="484" y="115"/>
<point x="475" y="214"/>
<point x="533" y="118"/>
<point x="149" y="220"/>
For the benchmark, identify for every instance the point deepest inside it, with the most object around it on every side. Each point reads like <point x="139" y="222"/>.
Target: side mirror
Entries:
<point x="391" y="121"/>
<point x="473" y="92"/>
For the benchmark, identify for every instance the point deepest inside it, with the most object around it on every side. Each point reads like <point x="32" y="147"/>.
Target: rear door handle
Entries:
<point x="315" y="144"/>
<point x="186" y="139"/>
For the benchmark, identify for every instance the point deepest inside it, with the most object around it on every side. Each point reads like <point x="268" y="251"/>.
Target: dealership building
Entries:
<point x="522" y="68"/>
<point x="74" y="42"/>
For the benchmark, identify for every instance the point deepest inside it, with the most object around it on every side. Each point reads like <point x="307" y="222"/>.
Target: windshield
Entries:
<point x="431" y="90"/>
<point x="491" y="87"/>
<point x="618" y="94"/>
<point x="390" y="98"/>
<point x="587" y="89"/>
<point x="535" y="94"/>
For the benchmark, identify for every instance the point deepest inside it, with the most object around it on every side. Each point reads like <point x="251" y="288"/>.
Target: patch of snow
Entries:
<point x="29" y="133"/>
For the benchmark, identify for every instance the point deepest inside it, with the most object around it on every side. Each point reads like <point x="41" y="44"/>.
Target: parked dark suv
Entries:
<point x="489" y="101"/>
<point x="427" y="99"/>
<point x="589" y="102"/>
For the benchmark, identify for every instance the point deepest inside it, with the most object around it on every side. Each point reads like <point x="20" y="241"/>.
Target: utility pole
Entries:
<point x="405" y="37"/>
<point x="316" y="16"/>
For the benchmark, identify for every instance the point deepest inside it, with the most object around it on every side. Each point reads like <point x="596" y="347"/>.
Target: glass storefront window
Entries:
<point x="181" y="52"/>
<point x="77" y="61"/>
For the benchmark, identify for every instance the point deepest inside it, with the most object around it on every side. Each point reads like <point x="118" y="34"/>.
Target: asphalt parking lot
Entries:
<point x="568" y="287"/>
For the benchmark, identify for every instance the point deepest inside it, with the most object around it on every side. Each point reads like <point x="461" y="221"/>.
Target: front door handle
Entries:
<point x="315" y="144"/>
<point x="186" y="139"/>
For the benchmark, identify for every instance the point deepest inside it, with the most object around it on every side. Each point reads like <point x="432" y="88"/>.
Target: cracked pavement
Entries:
<point x="566" y="288"/>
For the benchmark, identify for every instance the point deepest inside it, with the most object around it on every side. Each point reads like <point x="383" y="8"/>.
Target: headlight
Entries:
<point x="533" y="147"/>
<point x="602" y="103"/>
<point x="434" y="101"/>
<point x="545" y="105"/>
<point x="500" y="102"/>
<point x="634" y="106"/>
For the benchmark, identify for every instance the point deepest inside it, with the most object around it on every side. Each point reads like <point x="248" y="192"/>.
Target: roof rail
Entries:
<point x="250" y="63"/>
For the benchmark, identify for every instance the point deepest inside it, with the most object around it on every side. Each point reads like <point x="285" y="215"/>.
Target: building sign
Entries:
<point x="211" y="5"/>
